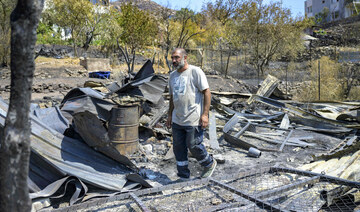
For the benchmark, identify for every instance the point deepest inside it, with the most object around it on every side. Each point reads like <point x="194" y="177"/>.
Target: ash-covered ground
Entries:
<point x="53" y="79"/>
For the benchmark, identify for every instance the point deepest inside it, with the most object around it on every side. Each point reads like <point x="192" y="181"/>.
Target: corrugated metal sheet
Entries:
<point x="73" y="157"/>
<point x="347" y="167"/>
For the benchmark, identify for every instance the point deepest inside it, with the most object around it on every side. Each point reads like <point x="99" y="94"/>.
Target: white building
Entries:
<point x="338" y="9"/>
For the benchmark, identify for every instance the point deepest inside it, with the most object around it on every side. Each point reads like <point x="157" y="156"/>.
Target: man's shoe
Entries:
<point x="208" y="171"/>
<point x="183" y="176"/>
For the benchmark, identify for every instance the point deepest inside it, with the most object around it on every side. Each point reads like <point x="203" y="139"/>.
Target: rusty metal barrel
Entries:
<point x="123" y="128"/>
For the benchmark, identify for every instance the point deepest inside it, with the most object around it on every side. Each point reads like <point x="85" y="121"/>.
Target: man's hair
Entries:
<point x="181" y="50"/>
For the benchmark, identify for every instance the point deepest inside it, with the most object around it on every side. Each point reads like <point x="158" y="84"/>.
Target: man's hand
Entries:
<point x="171" y="108"/>
<point x="168" y="122"/>
<point x="204" y="121"/>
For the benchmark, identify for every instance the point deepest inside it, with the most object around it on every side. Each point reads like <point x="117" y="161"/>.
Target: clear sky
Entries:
<point x="296" y="6"/>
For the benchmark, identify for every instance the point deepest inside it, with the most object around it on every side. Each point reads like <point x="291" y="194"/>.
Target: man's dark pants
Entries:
<point x="189" y="137"/>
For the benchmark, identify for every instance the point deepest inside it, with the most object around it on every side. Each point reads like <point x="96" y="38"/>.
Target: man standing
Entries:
<point x="190" y="99"/>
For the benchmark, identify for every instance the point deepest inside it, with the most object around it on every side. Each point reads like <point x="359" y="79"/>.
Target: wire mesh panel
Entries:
<point x="193" y="198"/>
<point x="120" y="205"/>
<point x="260" y="189"/>
<point x="319" y="192"/>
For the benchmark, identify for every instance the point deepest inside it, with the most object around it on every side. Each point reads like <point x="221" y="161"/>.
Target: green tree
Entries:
<point x="138" y="29"/>
<point x="110" y="32"/>
<point x="6" y="6"/>
<point x="222" y="26"/>
<point x="74" y="15"/>
<point x="46" y="34"/>
<point x="165" y="31"/>
<point x="322" y="16"/>
<point x="353" y="5"/>
<point x="221" y="10"/>
<point x="268" y="31"/>
<point x="185" y="27"/>
<point x="96" y="25"/>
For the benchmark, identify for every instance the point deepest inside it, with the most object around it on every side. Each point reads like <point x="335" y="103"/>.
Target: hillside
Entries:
<point x="345" y="32"/>
<point x="142" y="4"/>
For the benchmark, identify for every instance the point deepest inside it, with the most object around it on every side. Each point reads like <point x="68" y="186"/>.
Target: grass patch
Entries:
<point x="331" y="82"/>
<point x="54" y="61"/>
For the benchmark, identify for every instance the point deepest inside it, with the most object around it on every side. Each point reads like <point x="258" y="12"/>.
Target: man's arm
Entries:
<point x="171" y="108"/>
<point x="204" y="119"/>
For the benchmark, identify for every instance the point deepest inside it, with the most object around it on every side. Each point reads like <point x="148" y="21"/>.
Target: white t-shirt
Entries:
<point x="186" y="89"/>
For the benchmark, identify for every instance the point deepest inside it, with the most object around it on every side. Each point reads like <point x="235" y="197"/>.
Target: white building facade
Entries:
<point x="338" y="9"/>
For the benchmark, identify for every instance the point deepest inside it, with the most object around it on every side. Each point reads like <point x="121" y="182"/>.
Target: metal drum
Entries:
<point x="123" y="128"/>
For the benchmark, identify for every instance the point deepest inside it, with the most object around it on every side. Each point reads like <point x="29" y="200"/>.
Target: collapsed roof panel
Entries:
<point x="99" y="107"/>
<point x="144" y="84"/>
<point x="52" y="117"/>
<point x="82" y="91"/>
<point x="72" y="156"/>
<point x="145" y="71"/>
<point x="151" y="88"/>
<point x="41" y="173"/>
<point x="303" y="117"/>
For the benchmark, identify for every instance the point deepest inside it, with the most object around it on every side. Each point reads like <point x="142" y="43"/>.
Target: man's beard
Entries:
<point x="180" y="65"/>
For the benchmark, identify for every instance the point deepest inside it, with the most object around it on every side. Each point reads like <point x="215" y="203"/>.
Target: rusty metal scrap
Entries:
<point x="309" y="118"/>
<point x="276" y="138"/>
<point x="267" y="87"/>
<point x="243" y="144"/>
<point x="156" y="118"/>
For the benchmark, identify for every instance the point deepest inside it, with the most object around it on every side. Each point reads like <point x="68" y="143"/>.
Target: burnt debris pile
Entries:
<point x="112" y="149"/>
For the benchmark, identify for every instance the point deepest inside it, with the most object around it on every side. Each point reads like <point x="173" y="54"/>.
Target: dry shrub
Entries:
<point x="331" y="84"/>
<point x="54" y="61"/>
<point x="354" y="93"/>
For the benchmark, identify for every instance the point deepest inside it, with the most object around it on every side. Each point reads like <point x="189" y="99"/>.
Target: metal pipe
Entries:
<point x="323" y="177"/>
<point x="260" y="203"/>
<point x="289" y="187"/>
<point x="237" y="135"/>
<point x="139" y="203"/>
<point x="287" y="138"/>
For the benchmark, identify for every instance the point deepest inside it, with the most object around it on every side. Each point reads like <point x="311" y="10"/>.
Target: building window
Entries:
<point x="335" y="15"/>
<point x="309" y="9"/>
<point x="323" y="1"/>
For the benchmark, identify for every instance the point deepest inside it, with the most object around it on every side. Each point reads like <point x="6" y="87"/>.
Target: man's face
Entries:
<point x="178" y="60"/>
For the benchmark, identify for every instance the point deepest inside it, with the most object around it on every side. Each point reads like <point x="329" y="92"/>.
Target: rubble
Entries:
<point x="71" y="144"/>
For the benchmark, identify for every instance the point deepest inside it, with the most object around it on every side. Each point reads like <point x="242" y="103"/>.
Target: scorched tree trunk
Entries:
<point x="15" y="136"/>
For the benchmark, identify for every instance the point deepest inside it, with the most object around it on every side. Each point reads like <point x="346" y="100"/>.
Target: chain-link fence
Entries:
<point x="237" y="64"/>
